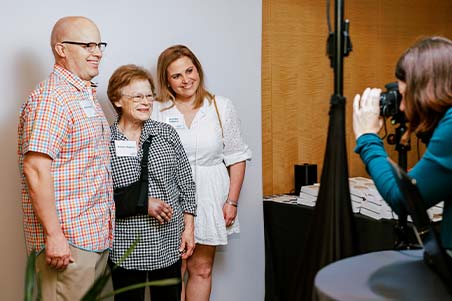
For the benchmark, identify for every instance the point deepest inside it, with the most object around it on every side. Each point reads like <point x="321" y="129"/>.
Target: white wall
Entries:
<point x="225" y="35"/>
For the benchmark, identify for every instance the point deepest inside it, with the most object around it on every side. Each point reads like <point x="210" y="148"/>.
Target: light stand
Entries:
<point x="332" y="233"/>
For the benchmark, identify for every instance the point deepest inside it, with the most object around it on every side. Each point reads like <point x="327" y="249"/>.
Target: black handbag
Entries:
<point x="133" y="199"/>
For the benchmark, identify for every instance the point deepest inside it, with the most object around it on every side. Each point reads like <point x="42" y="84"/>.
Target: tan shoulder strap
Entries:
<point x="218" y="115"/>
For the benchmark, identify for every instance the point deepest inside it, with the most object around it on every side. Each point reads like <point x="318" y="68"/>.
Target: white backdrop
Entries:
<point x="226" y="37"/>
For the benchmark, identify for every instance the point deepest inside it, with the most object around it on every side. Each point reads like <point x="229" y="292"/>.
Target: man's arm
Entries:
<point x="37" y="171"/>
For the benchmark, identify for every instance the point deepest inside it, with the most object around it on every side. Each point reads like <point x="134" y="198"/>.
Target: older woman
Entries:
<point x="209" y="128"/>
<point x="166" y="233"/>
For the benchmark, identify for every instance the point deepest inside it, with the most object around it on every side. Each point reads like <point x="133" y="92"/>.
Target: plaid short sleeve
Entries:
<point x="46" y="126"/>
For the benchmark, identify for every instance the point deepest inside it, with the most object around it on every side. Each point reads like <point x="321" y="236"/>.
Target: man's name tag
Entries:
<point x="176" y="121"/>
<point x="88" y="107"/>
<point x="126" y="148"/>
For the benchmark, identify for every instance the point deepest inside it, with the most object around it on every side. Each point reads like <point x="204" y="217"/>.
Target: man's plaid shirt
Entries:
<point x="62" y="119"/>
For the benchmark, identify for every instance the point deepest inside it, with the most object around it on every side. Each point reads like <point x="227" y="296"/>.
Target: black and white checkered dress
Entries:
<point x="170" y="179"/>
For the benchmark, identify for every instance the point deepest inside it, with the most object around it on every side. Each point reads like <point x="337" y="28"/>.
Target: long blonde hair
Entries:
<point x="168" y="56"/>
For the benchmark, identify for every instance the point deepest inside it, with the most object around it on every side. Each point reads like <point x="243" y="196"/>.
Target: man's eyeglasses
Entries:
<point x="140" y="97"/>
<point x="91" y="46"/>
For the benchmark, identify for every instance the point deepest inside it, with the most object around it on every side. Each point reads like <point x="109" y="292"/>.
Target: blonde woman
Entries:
<point x="210" y="133"/>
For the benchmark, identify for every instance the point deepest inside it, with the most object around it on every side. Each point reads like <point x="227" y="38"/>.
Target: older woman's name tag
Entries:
<point x="176" y="121"/>
<point x="125" y="148"/>
<point x="88" y="107"/>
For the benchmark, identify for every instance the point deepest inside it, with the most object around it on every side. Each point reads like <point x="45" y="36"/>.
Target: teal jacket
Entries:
<point x="433" y="172"/>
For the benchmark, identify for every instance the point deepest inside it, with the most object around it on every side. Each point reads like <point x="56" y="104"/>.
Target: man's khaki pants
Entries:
<point x="72" y="283"/>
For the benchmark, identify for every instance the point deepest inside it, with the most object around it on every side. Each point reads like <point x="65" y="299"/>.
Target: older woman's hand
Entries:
<point x="366" y="112"/>
<point x="160" y="210"/>
<point x="187" y="245"/>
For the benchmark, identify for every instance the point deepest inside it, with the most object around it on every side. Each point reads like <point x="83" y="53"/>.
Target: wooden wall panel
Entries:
<point x="297" y="81"/>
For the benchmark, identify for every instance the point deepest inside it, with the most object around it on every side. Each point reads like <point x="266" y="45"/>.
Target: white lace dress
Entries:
<point x="203" y="144"/>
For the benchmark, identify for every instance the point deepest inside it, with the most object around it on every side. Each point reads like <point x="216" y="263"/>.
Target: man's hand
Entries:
<point x="58" y="253"/>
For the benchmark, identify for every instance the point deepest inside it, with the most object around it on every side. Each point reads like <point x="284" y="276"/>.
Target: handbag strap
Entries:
<point x="218" y="115"/>
<point x="144" y="159"/>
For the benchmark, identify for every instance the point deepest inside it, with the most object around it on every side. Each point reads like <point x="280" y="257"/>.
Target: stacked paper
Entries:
<point x="365" y="200"/>
<point x="308" y="195"/>
<point x="281" y="198"/>
<point x="372" y="204"/>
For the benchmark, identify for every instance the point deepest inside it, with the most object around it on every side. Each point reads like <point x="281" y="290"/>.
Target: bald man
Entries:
<point x="63" y="148"/>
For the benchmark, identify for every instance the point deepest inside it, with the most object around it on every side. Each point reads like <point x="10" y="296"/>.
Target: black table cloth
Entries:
<point x="285" y="230"/>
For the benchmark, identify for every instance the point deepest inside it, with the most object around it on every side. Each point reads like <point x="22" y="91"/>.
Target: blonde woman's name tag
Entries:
<point x="176" y="121"/>
<point x="126" y="148"/>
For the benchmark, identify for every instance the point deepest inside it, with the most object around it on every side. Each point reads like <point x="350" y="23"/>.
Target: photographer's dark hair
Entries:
<point x="426" y="68"/>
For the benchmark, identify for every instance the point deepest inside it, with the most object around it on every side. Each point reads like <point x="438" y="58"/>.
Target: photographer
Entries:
<point x="424" y="74"/>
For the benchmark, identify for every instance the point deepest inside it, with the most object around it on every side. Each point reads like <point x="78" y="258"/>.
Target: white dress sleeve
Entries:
<point x="235" y="150"/>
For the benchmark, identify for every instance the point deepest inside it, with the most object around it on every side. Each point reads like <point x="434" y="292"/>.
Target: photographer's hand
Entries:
<point x="366" y="112"/>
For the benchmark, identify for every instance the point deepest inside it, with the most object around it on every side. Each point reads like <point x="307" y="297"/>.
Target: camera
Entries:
<point x="390" y="100"/>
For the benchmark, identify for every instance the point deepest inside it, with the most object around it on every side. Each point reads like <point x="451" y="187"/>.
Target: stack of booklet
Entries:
<point x="281" y="198"/>
<point x="365" y="200"/>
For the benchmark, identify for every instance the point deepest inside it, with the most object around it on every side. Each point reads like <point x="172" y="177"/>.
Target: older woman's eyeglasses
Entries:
<point x="91" y="46"/>
<point x="140" y="97"/>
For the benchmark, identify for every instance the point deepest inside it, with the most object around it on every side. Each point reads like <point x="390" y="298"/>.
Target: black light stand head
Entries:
<point x="331" y="44"/>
